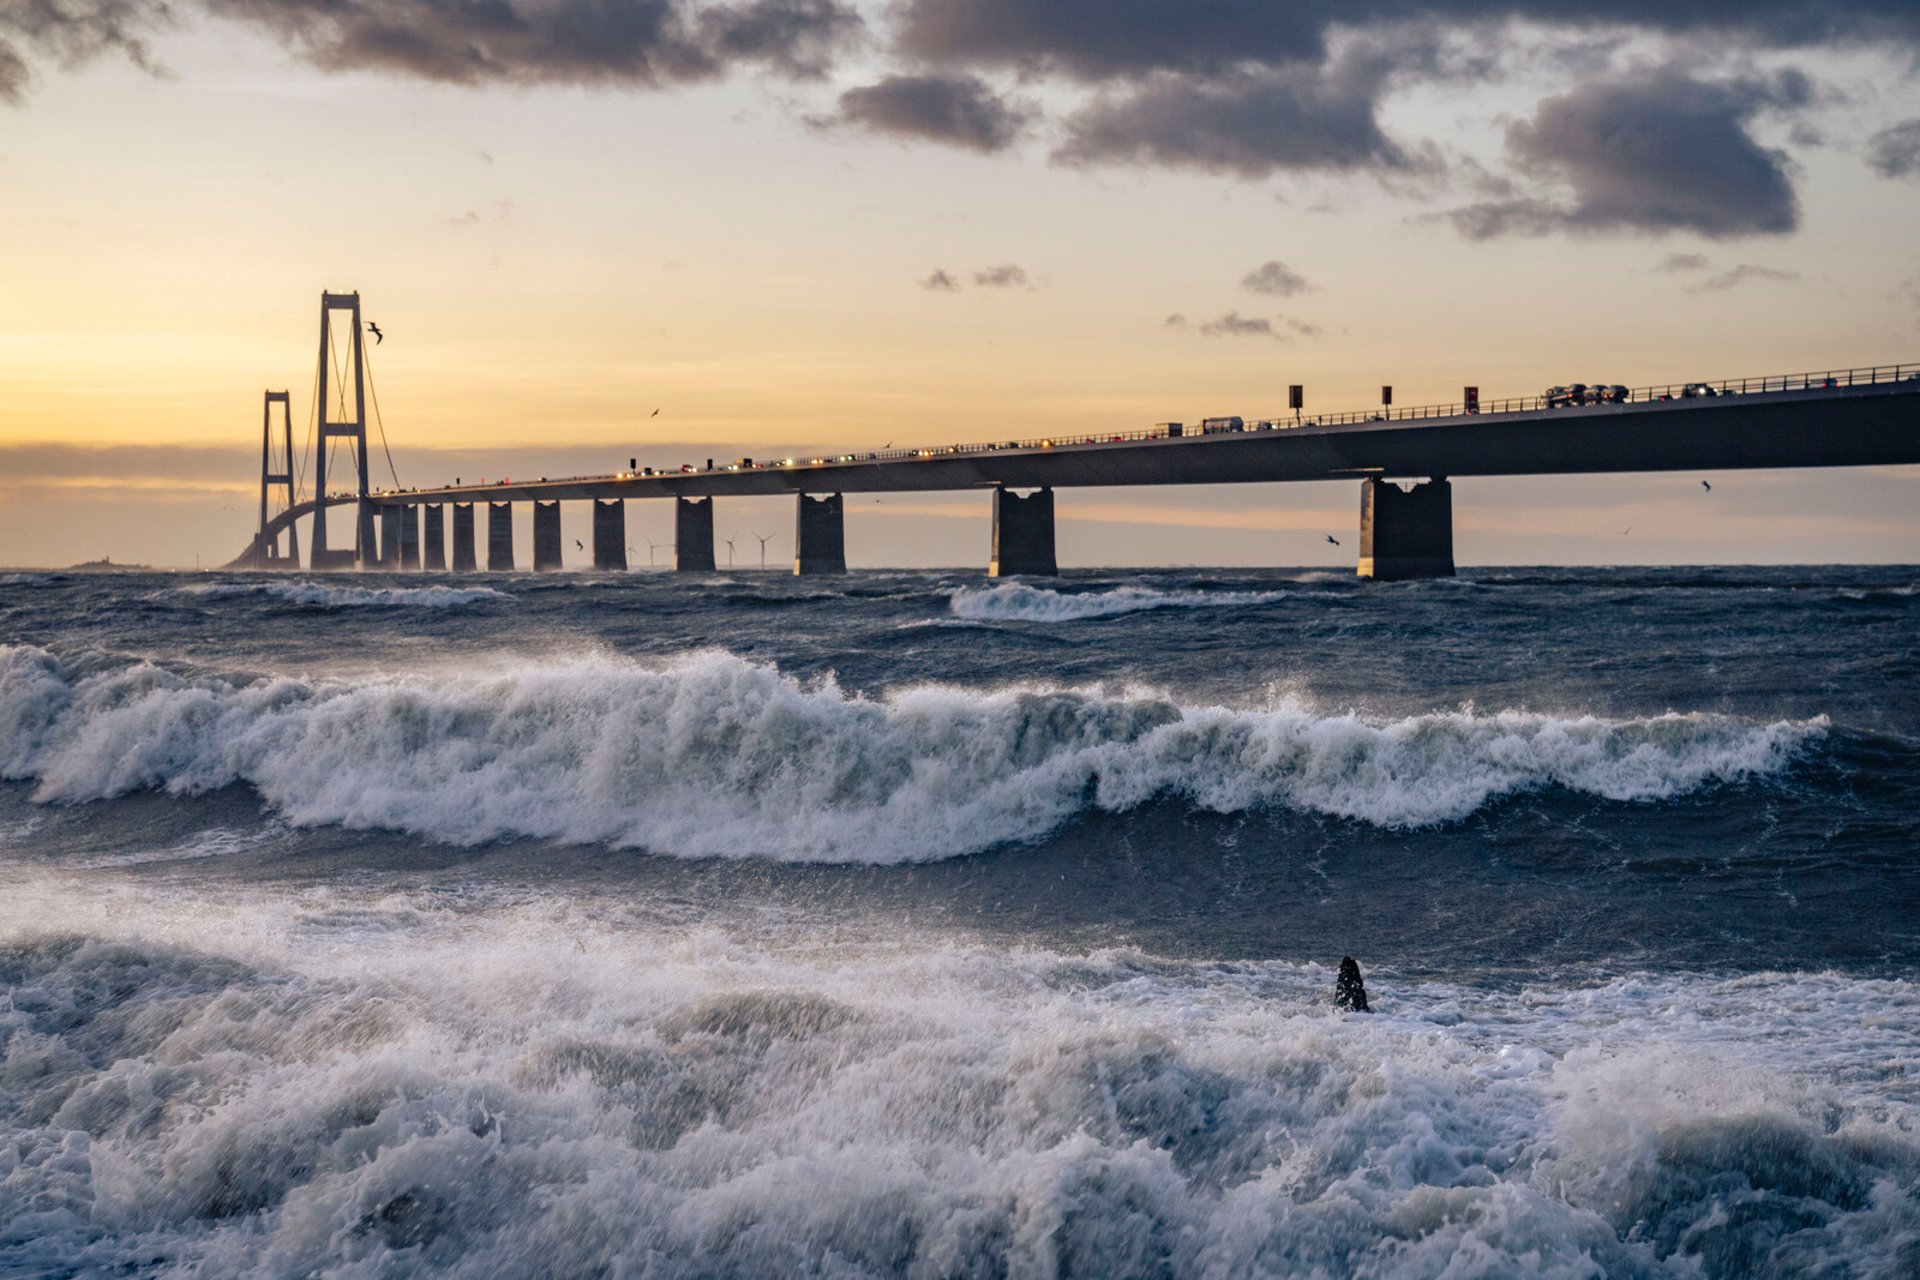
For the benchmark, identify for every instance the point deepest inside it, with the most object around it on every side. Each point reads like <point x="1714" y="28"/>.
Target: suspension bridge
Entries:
<point x="1403" y="459"/>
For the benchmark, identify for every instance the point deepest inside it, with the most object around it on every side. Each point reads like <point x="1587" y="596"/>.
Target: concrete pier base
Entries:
<point x="409" y="537"/>
<point x="1022" y="534"/>
<point x="610" y="535"/>
<point x="819" y="535"/>
<point x="463" y="557"/>
<point x="1406" y="533"/>
<point x="433" y="548"/>
<point x="389" y="557"/>
<point x="499" y="537"/>
<point x="546" y="537"/>
<point x="693" y="535"/>
<point x="367" y="546"/>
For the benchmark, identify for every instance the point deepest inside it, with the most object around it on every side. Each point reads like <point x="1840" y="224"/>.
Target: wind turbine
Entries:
<point x="764" y="539"/>
<point x="650" y="550"/>
<point x="729" y="542"/>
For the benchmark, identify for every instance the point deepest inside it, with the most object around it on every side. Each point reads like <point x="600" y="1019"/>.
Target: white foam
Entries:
<point x="1018" y="602"/>
<point x="24" y="579"/>
<point x="710" y="755"/>
<point x="217" y="1085"/>
<point x="339" y="597"/>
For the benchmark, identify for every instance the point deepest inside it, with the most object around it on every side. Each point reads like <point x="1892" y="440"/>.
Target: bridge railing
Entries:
<point x="1828" y="379"/>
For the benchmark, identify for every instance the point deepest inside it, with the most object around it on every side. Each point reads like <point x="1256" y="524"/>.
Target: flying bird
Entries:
<point x="654" y="414"/>
<point x="374" y="329"/>
<point x="580" y="545"/>
<point x="1335" y="541"/>
<point x="1624" y="532"/>
<point x="1706" y="486"/>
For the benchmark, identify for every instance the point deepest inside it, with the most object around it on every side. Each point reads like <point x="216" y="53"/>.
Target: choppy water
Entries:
<point x="921" y="926"/>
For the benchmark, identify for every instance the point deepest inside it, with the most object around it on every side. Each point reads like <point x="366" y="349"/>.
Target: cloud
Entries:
<point x="1894" y="152"/>
<point x="1674" y="262"/>
<point x="1250" y="123"/>
<point x="959" y="111"/>
<point x="940" y="282"/>
<point x="1235" y="325"/>
<point x="630" y="44"/>
<point x="1275" y="278"/>
<point x="1653" y="152"/>
<point x="1006" y="276"/>
<point x="1735" y="276"/>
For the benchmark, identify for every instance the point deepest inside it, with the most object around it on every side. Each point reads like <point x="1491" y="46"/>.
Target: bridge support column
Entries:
<point x="820" y="535"/>
<point x="463" y="557"/>
<point x="434" y="548"/>
<point x="1022" y="534"/>
<point x="389" y="557"/>
<point x="410" y="537"/>
<point x="693" y="535"/>
<point x="1406" y="533"/>
<point x="499" y="537"/>
<point x="546" y="536"/>
<point x="367" y="537"/>
<point x="610" y="535"/>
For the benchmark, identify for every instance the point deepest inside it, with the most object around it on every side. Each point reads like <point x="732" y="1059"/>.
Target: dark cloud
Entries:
<point x="627" y="43"/>
<point x="1894" y="152"/>
<point x="1736" y="276"/>
<point x="1100" y="40"/>
<point x="1006" y="276"/>
<point x="940" y="282"/>
<point x="1657" y="151"/>
<point x="1252" y="123"/>
<point x="1674" y="262"/>
<point x="1275" y="278"/>
<point x="961" y="111"/>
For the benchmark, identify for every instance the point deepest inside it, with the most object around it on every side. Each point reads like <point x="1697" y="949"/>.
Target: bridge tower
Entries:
<point x="343" y="416"/>
<point x="276" y="468"/>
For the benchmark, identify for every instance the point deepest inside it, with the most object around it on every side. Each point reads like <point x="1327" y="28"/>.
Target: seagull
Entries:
<point x="374" y="329"/>
<point x="1706" y="486"/>
<point x="1335" y="541"/>
<point x="577" y="543"/>
<point x="1624" y="532"/>
<point x="654" y="414"/>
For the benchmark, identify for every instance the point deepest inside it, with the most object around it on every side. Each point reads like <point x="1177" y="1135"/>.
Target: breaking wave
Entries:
<point x="1018" y="602"/>
<point x="711" y="755"/>
<point x="316" y="595"/>
<point x="490" y="1097"/>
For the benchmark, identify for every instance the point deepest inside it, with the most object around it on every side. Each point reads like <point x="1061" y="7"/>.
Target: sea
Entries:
<point x="922" y="925"/>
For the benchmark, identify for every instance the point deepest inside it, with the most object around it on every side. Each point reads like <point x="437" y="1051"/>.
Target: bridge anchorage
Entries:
<point x="1405" y="460"/>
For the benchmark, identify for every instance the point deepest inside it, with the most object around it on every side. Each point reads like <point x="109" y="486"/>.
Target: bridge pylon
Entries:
<point x="276" y="469"/>
<point x="342" y="402"/>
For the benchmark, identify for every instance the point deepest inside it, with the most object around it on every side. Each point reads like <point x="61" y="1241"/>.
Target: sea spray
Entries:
<point x="709" y="755"/>
<point x="1018" y="602"/>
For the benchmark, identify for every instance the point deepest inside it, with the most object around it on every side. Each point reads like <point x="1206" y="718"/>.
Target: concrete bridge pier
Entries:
<point x="1022" y="534"/>
<point x="434" y="549"/>
<point x="1406" y="533"/>
<point x="367" y="548"/>
<point x="463" y="557"/>
<point x="610" y="535"/>
<point x="499" y="537"/>
<point x="409" y="537"/>
<point x="820" y="535"/>
<point x="546" y="536"/>
<point x="389" y="557"/>
<point x="693" y="535"/>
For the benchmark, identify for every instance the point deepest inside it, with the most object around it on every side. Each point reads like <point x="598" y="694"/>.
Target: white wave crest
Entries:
<point x="24" y="579"/>
<point x="710" y="755"/>
<point x="1018" y="602"/>
<point x="339" y="597"/>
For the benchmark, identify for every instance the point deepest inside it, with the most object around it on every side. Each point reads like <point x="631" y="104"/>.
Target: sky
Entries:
<point x="826" y="225"/>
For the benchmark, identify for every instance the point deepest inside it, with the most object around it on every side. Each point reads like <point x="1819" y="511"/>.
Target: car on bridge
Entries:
<point x="1605" y="393"/>
<point x="1560" y="397"/>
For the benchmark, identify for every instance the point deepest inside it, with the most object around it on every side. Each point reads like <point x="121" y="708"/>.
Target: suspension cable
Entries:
<point x="366" y="366"/>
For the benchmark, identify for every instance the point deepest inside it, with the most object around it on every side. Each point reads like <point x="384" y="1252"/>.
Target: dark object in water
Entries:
<point x="1349" y="992"/>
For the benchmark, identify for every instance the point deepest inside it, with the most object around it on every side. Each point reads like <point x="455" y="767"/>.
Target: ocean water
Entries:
<point x="916" y="925"/>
